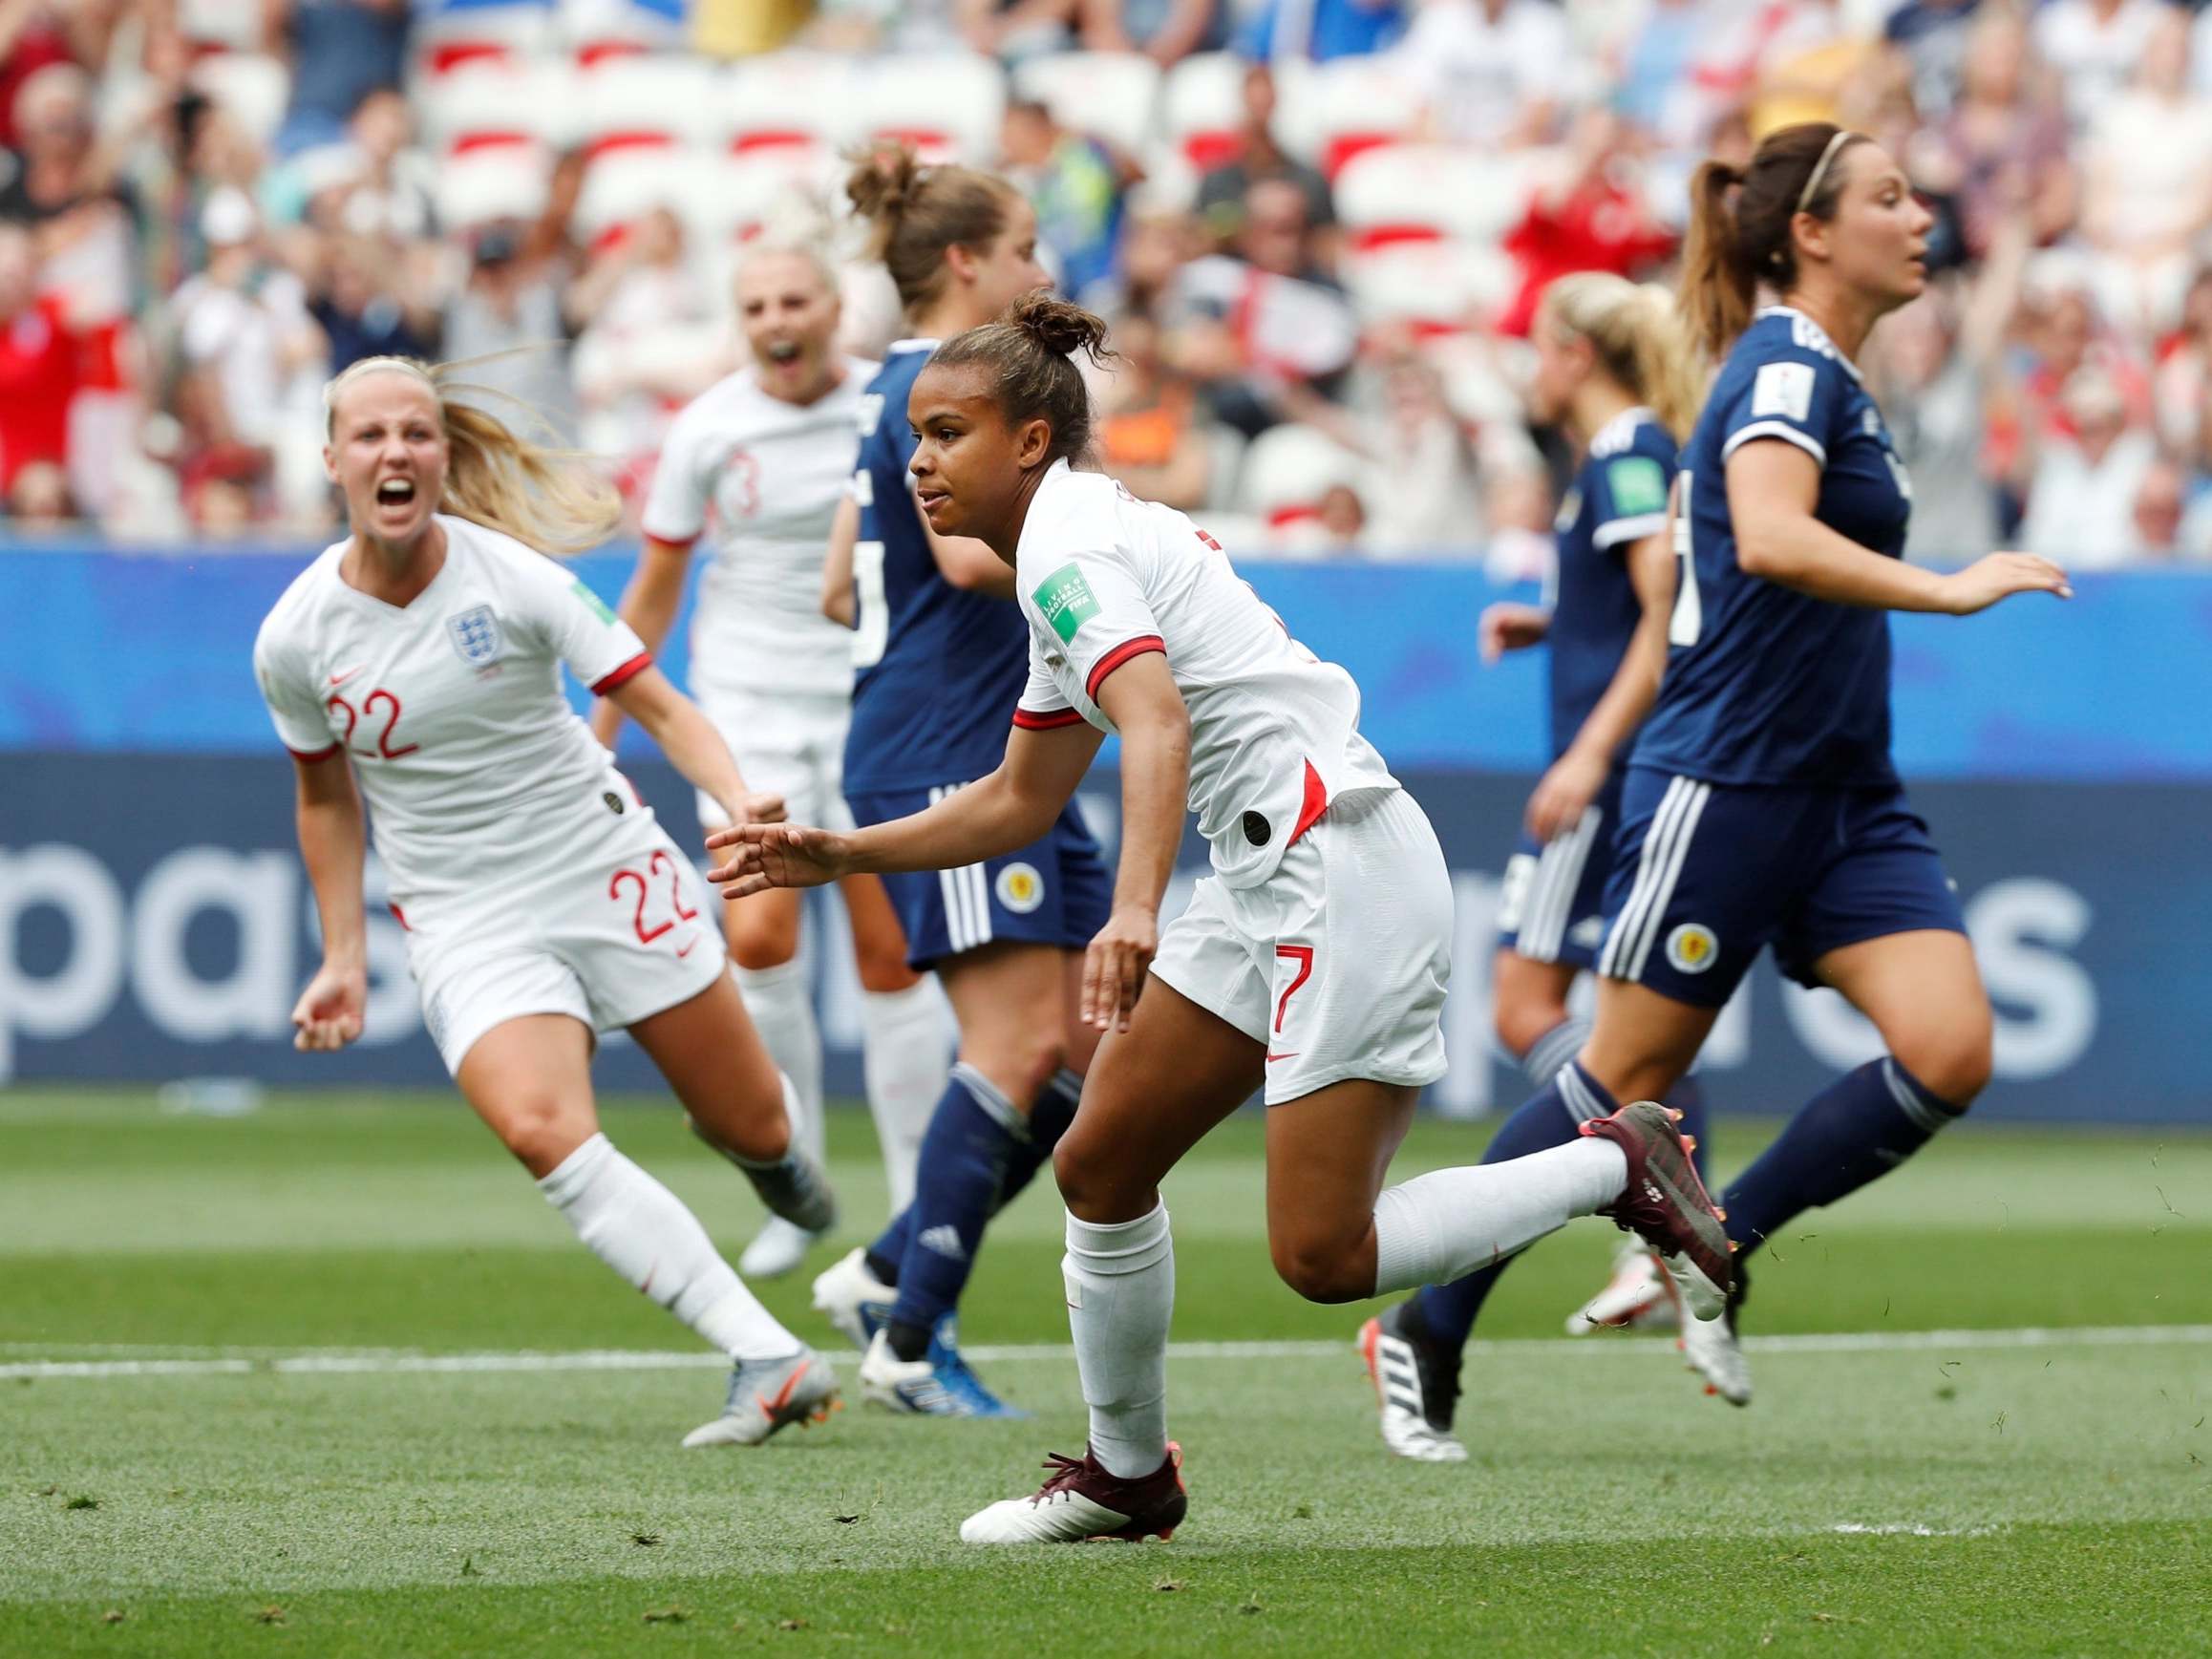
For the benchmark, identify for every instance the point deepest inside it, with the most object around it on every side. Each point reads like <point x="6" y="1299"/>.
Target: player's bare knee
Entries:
<point x="1094" y="1186"/>
<point x="1521" y="1022"/>
<point x="883" y="971"/>
<point x="1321" y="1269"/>
<point x="1953" y="1066"/>
<point x="1019" y="1064"/>
<point x="761" y="945"/>
<point x="541" y="1129"/>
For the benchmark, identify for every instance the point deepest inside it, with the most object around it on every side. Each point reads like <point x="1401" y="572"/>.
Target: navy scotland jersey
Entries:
<point x="1765" y="685"/>
<point x="1618" y="496"/>
<point x="938" y="670"/>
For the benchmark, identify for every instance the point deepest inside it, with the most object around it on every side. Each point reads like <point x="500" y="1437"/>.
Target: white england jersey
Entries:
<point x="1103" y="578"/>
<point x="766" y="476"/>
<point x="477" y="775"/>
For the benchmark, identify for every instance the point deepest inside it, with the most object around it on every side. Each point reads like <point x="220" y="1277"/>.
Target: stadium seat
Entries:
<point x="788" y="100"/>
<point x="1108" y="95"/>
<point x="1203" y="105"/>
<point x="1436" y="287"/>
<point x="946" y="105"/>
<point x="1335" y="110"/>
<point x="1288" y="468"/>
<point x="457" y="37"/>
<point x="505" y="181"/>
<point x="487" y="105"/>
<point x="1412" y="193"/>
<point x="253" y="88"/>
<point x="649" y="102"/>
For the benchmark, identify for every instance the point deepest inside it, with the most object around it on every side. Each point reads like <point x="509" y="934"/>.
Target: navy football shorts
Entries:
<point x="1551" y="906"/>
<point x="1054" y="891"/>
<point x="1706" y="875"/>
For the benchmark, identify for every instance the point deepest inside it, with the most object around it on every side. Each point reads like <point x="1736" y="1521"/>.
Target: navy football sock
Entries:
<point x="971" y="1141"/>
<point x="1555" y="1049"/>
<point x="1552" y="1117"/>
<point x="890" y="1250"/>
<point x="1048" y="1121"/>
<point x="1863" y="1126"/>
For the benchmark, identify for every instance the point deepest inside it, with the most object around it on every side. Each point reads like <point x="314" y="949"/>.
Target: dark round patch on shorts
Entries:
<point x="1257" y="829"/>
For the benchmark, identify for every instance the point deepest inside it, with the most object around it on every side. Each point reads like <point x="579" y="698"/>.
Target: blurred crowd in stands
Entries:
<point x="1318" y="228"/>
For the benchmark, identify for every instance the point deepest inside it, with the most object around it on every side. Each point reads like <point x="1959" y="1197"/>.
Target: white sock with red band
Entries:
<point x="1440" y="1226"/>
<point x="904" y="1044"/>
<point x="781" y="1000"/>
<point x="643" y="1231"/>
<point x="1120" y="1284"/>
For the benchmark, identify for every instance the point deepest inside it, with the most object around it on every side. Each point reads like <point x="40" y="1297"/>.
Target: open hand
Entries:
<point x="1115" y="966"/>
<point x="1563" y="794"/>
<point x="1999" y="576"/>
<point x="776" y="855"/>
<point x="328" y="1016"/>
<point x="1506" y="627"/>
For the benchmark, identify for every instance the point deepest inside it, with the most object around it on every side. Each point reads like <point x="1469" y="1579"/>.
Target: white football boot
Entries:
<point x="1712" y="1351"/>
<point x="1639" y="1296"/>
<point x="766" y="1396"/>
<point x="1417" y="1386"/>
<point x="777" y="1248"/>
<point x="852" y="1298"/>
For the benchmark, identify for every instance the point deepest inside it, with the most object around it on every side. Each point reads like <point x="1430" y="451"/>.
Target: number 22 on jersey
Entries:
<point x="384" y="749"/>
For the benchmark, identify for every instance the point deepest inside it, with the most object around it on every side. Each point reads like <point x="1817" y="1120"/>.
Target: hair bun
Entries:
<point x="1060" y="327"/>
<point x="882" y="184"/>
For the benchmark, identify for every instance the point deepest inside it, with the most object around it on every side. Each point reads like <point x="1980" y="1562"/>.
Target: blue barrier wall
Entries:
<point x="154" y="922"/>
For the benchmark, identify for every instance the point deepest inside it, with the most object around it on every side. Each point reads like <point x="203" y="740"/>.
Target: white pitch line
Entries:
<point x="358" y="1362"/>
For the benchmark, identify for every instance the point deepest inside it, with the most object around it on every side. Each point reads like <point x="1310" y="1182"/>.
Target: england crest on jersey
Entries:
<point x="475" y="633"/>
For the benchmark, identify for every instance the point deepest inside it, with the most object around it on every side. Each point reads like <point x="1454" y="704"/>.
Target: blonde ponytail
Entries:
<point x="1638" y="338"/>
<point x="553" y="500"/>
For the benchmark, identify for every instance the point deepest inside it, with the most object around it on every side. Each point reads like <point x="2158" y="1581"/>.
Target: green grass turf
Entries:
<point x="1608" y="1508"/>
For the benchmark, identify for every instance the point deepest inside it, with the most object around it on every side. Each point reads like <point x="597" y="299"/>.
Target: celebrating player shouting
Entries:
<point x="1311" y="962"/>
<point x="760" y="462"/>
<point x="422" y="655"/>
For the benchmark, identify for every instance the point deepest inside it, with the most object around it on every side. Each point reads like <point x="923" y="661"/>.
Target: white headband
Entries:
<point x="1843" y="136"/>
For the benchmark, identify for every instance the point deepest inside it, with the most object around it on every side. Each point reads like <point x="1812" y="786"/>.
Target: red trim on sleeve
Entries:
<point x="308" y="759"/>
<point x="623" y="675"/>
<point x="677" y="542"/>
<point x="1119" y="655"/>
<point x="1316" y="802"/>
<point x="401" y="916"/>
<point x="1046" y="720"/>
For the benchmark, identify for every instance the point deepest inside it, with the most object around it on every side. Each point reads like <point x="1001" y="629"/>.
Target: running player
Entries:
<point x="1614" y="369"/>
<point x="1762" y="807"/>
<point x="762" y="458"/>
<point x="941" y="657"/>
<point x="1311" y="962"/>
<point x="417" y="663"/>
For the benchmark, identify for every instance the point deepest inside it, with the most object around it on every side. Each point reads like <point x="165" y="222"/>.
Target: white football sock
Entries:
<point x="905" y="1052"/>
<point x="781" y="1002"/>
<point x="1440" y="1226"/>
<point x="1120" y="1282"/>
<point x="643" y="1231"/>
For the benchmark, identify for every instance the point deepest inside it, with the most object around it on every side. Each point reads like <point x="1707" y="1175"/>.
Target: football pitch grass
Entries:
<point x="333" y="1379"/>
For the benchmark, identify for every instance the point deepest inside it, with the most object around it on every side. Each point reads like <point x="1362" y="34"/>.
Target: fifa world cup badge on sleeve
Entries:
<point x="475" y="633"/>
<point x="1065" y="601"/>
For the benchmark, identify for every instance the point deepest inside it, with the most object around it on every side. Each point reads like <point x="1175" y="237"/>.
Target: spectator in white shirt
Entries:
<point x="2094" y="46"/>
<point x="1488" y="72"/>
<point x="2149" y="199"/>
<point x="2081" y="506"/>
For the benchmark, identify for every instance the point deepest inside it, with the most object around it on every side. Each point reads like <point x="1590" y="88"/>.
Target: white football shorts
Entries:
<point x="625" y="930"/>
<point x="791" y="745"/>
<point x="1338" y="962"/>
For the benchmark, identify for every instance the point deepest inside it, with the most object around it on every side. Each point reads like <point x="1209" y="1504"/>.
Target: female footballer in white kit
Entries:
<point x="1312" y="962"/>
<point x="417" y="664"/>
<point x="760" y="461"/>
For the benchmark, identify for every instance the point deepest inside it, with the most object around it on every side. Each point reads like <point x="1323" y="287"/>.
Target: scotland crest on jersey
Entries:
<point x="475" y="633"/>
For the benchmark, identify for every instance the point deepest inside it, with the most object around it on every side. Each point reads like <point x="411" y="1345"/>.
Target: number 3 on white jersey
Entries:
<point x="1689" y="618"/>
<point x="872" y="618"/>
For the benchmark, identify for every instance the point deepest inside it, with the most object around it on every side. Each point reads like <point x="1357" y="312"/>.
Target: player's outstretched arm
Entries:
<point x="332" y="845"/>
<point x="1141" y="700"/>
<point x="1013" y="807"/>
<point x="837" y="566"/>
<point x="1773" y="487"/>
<point x="692" y="745"/>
